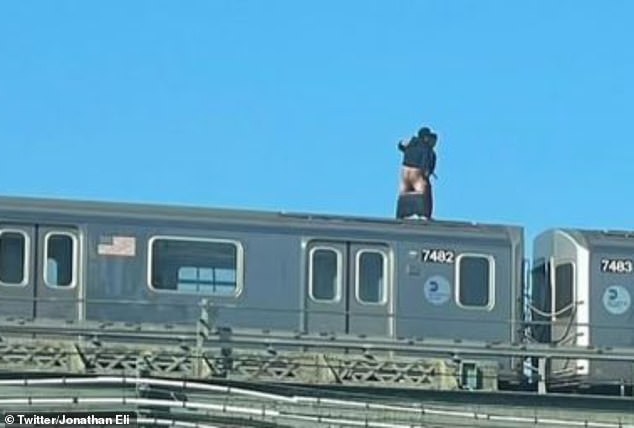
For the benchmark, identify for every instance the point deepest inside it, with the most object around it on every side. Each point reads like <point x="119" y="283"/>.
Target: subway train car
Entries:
<point x="582" y="283"/>
<point x="301" y="272"/>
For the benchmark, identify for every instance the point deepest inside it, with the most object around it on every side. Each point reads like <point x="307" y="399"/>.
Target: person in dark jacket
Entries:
<point x="419" y="161"/>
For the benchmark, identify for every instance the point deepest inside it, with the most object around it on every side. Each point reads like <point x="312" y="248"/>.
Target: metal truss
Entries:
<point x="83" y="357"/>
<point x="206" y="351"/>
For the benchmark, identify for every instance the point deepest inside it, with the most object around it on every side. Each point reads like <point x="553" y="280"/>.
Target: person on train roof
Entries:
<point x="418" y="166"/>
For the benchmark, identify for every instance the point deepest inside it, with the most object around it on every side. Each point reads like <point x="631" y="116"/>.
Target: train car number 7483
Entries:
<point x="438" y="256"/>
<point x="616" y="265"/>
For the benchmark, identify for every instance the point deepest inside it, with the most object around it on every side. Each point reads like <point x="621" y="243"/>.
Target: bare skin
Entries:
<point x="412" y="180"/>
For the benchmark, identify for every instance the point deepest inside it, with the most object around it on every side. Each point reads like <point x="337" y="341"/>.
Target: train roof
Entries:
<point x="595" y="237"/>
<point x="12" y="207"/>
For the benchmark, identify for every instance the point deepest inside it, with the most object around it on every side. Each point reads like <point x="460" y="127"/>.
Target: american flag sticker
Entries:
<point x="118" y="246"/>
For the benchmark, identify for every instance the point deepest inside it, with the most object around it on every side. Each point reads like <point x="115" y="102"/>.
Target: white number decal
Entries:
<point x="616" y="265"/>
<point x="438" y="256"/>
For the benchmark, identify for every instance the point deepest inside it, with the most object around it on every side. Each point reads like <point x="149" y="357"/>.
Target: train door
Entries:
<point x="39" y="271"/>
<point x="58" y="285"/>
<point x="17" y="276"/>
<point x="349" y="288"/>
<point x="563" y="329"/>
<point x="566" y="305"/>
<point x="541" y="301"/>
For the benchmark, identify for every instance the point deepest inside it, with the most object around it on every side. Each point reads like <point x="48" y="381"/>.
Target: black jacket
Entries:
<point x="417" y="154"/>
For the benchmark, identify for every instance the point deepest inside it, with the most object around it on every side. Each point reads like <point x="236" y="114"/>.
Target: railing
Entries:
<point x="196" y="404"/>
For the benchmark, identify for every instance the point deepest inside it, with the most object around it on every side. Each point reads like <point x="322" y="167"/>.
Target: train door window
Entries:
<point x="195" y="266"/>
<point x="371" y="276"/>
<point x="60" y="260"/>
<point x="564" y="291"/>
<point x="13" y="257"/>
<point x="475" y="281"/>
<point x="325" y="274"/>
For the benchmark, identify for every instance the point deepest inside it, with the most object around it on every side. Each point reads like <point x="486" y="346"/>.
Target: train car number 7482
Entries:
<point x="438" y="256"/>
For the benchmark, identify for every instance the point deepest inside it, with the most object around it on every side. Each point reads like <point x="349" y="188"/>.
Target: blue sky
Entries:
<point x="298" y="105"/>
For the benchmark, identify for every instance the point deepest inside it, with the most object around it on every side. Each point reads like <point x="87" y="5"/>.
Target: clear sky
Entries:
<point x="298" y="105"/>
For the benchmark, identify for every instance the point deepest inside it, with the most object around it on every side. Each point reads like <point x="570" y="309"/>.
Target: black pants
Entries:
<point x="415" y="204"/>
<point x="429" y="201"/>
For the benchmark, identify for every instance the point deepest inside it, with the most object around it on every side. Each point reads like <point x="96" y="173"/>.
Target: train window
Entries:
<point x="564" y="289"/>
<point x="325" y="274"/>
<point x="60" y="250"/>
<point x="207" y="280"/>
<point x="371" y="274"/>
<point x="13" y="257"/>
<point x="475" y="281"/>
<point x="195" y="266"/>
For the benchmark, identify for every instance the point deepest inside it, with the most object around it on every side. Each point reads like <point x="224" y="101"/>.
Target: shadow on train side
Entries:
<point x="318" y="273"/>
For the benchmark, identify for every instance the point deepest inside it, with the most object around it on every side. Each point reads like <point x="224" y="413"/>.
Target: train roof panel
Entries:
<point x="596" y="237"/>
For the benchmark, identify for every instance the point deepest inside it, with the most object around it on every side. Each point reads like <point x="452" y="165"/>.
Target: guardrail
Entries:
<point x="198" y="404"/>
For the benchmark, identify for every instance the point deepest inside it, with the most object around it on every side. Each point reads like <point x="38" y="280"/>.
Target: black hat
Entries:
<point x="424" y="131"/>
<point x="426" y="134"/>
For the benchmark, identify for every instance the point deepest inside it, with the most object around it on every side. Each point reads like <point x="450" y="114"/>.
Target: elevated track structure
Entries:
<point x="208" y="376"/>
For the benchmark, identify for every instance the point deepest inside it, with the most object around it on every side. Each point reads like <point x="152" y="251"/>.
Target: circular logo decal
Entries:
<point x="616" y="299"/>
<point x="437" y="290"/>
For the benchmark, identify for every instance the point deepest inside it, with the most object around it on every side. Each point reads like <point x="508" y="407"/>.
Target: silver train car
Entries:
<point x="102" y="261"/>
<point x="582" y="286"/>
<point x="301" y="272"/>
